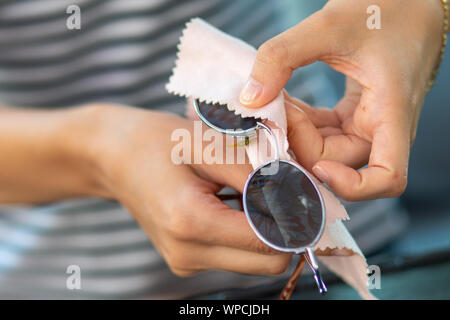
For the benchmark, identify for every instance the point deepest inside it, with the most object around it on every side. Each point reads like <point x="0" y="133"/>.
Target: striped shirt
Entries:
<point x="123" y="53"/>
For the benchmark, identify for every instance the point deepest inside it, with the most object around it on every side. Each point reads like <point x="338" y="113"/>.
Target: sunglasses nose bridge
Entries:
<point x="272" y="137"/>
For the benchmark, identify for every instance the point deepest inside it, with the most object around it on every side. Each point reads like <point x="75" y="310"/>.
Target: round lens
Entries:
<point x="285" y="208"/>
<point x="221" y="117"/>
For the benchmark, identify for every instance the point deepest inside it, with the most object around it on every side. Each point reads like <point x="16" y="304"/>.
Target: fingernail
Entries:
<point x="321" y="174"/>
<point x="251" y="91"/>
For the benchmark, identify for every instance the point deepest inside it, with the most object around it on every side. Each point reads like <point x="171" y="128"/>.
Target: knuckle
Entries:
<point x="178" y="261"/>
<point x="253" y="243"/>
<point x="298" y="121"/>
<point x="291" y="131"/>
<point x="349" y="196"/>
<point x="182" y="273"/>
<point x="333" y="19"/>
<point x="323" y="19"/>
<point x="355" y="192"/>
<point x="260" y="247"/>
<point x="398" y="184"/>
<point x="181" y="224"/>
<point x="273" y="52"/>
<point x="278" y="265"/>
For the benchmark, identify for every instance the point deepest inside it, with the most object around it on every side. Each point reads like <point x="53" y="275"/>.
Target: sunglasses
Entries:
<point x="281" y="202"/>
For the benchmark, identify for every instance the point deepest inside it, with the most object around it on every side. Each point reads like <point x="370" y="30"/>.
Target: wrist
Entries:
<point x="111" y="139"/>
<point x="79" y="141"/>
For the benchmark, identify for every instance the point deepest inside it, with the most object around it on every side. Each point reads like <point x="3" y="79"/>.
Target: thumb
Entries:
<point x="278" y="57"/>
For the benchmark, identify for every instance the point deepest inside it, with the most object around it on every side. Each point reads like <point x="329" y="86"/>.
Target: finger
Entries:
<point x="241" y="261"/>
<point x="320" y="117"/>
<point x="233" y="230"/>
<point x="386" y="175"/>
<point x="232" y="175"/>
<point x="191" y="258"/>
<point x="209" y="221"/>
<point x="330" y="131"/>
<point x="279" y="56"/>
<point x="345" y="108"/>
<point x="224" y="160"/>
<point x="310" y="146"/>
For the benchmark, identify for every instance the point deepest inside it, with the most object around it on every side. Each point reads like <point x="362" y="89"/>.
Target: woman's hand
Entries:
<point x="387" y="72"/>
<point x="127" y="154"/>
<point x="176" y="205"/>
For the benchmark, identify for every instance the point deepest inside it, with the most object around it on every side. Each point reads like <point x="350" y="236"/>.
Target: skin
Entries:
<point x="375" y="123"/>
<point x="124" y="153"/>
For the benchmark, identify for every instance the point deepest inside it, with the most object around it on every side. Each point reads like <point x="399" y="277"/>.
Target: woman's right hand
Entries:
<point x="175" y="204"/>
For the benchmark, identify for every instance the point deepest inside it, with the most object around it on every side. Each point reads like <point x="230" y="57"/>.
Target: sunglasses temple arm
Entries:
<point x="312" y="261"/>
<point x="274" y="140"/>
<point x="289" y="288"/>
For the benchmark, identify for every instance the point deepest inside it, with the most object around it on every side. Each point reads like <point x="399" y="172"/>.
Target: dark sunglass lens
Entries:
<point x="221" y="117"/>
<point x="285" y="208"/>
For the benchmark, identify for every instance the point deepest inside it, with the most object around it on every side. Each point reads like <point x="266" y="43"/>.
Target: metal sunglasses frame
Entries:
<point x="307" y="251"/>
